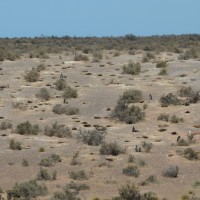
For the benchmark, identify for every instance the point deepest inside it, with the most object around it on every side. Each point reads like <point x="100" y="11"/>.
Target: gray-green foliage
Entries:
<point x="57" y="130"/>
<point x="15" y="145"/>
<point x="111" y="149"/>
<point x="32" y="75"/>
<point x="132" y="68"/>
<point x="169" y="99"/>
<point x="69" y="92"/>
<point x="43" y="94"/>
<point x="26" y="128"/>
<point x="63" y="109"/>
<point x="131" y="171"/>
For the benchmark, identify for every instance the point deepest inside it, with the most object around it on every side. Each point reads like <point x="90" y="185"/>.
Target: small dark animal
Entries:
<point x="178" y="138"/>
<point x="150" y="97"/>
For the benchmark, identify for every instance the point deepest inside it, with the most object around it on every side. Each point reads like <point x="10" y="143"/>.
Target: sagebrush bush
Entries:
<point x="43" y="94"/>
<point x="65" y="195"/>
<point x="70" y="93"/>
<point x="131" y="171"/>
<point x="78" y="175"/>
<point x="28" y="190"/>
<point x="163" y="117"/>
<point x="15" y="145"/>
<point x="171" y="171"/>
<point x="190" y="154"/>
<point x="60" y="84"/>
<point x="81" y="57"/>
<point x="32" y="75"/>
<point x="43" y="174"/>
<point x="132" y="96"/>
<point x="185" y="91"/>
<point x="175" y="119"/>
<point x="161" y="64"/>
<point x="74" y="160"/>
<point x="91" y="137"/>
<point x="162" y="72"/>
<point x="169" y="99"/>
<point x="50" y="160"/>
<point x="77" y="186"/>
<point x="111" y="149"/>
<point x="5" y="125"/>
<point x="57" y="130"/>
<point x="132" y="68"/>
<point x="63" y="109"/>
<point x="147" y="146"/>
<point x="26" y="128"/>
<point x="127" y="114"/>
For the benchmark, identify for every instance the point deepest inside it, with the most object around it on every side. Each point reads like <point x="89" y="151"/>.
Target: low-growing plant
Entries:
<point x="43" y="174"/>
<point x="70" y="93"/>
<point x="152" y="179"/>
<point x="50" y="160"/>
<point x="132" y="68"/>
<point x="62" y="109"/>
<point x="81" y="57"/>
<point x="190" y="154"/>
<point x="41" y="149"/>
<point x="163" y="117"/>
<point x="175" y="119"/>
<point x="32" y="75"/>
<point x="171" y="171"/>
<point x="132" y="96"/>
<point x="91" y="137"/>
<point x="169" y="99"/>
<point x="78" y="175"/>
<point x="161" y="64"/>
<point x="43" y="94"/>
<point x="131" y="171"/>
<point x="28" y="190"/>
<point x="65" y="195"/>
<point x="5" y="125"/>
<point x="15" y="145"/>
<point x="96" y="57"/>
<point x="111" y="149"/>
<point x="77" y="186"/>
<point x="26" y="128"/>
<point x="41" y="67"/>
<point x="162" y="72"/>
<point x="147" y="146"/>
<point x="25" y="163"/>
<point x="182" y="142"/>
<point x="57" y="130"/>
<point x="185" y="91"/>
<point x="189" y="54"/>
<point x="60" y="84"/>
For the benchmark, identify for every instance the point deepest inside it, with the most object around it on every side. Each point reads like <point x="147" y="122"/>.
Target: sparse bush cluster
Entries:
<point x="32" y="75"/>
<point x="50" y="160"/>
<point x="26" y="128"/>
<point x="190" y="154"/>
<point x="132" y="96"/>
<point x="63" y="109"/>
<point x="15" y="145"/>
<point x="8" y="54"/>
<point x="69" y="92"/>
<point x="92" y="137"/>
<point x="60" y="84"/>
<point x="43" y="174"/>
<point x="169" y="99"/>
<point x="161" y="64"/>
<point x="189" y="54"/>
<point x="28" y="190"/>
<point x="78" y="175"/>
<point x="57" y="130"/>
<point x="43" y="94"/>
<point x="131" y="171"/>
<point x="81" y="57"/>
<point x="132" y="68"/>
<point x="172" y="119"/>
<point x="111" y="149"/>
<point x="6" y="124"/>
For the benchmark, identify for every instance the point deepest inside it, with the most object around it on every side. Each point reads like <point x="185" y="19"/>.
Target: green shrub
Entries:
<point x="175" y="119"/>
<point x="43" y="94"/>
<point x="132" y="68"/>
<point x="43" y="175"/>
<point x="161" y="64"/>
<point x="50" y="160"/>
<point x="131" y="171"/>
<point x="15" y="145"/>
<point x="132" y="96"/>
<point x="60" y="84"/>
<point x="57" y="130"/>
<point x="32" y="75"/>
<point x="147" y="146"/>
<point x="25" y="163"/>
<point x="79" y="175"/>
<point x="163" y="117"/>
<point x="77" y="186"/>
<point x="41" y="149"/>
<point x="162" y="72"/>
<point x="63" y="109"/>
<point x="26" y="128"/>
<point x="81" y="57"/>
<point x="190" y="154"/>
<point x="41" y="67"/>
<point x="182" y="142"/>
<point x="171" y="172"/>
<point x="127" y="114"/>
<point x="70" y="93"/>
<point x="185" y="92"/>
<point x="5" y="125"/>
<point x="111" y="149"/>
<point x="169" y="99"/>
<point x="28" y="190"/>
<point x="91" y="137"/>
